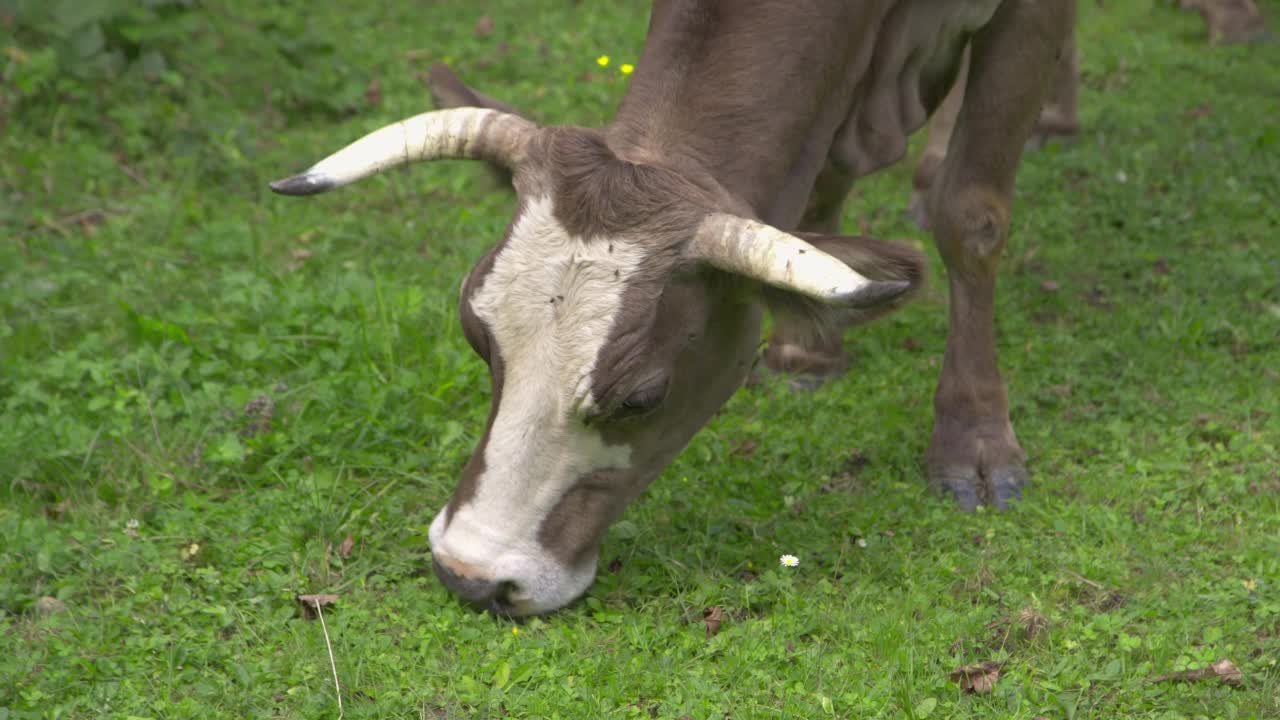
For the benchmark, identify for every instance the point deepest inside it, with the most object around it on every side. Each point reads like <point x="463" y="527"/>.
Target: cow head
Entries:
<point x="618" y="313"/>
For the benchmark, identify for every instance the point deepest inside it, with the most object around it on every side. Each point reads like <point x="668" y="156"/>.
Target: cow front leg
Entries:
<point x="974" y="454"/>
<point x="1058" y="121"/>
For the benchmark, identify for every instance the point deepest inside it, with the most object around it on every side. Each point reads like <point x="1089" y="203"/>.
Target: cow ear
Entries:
<point x="449" y="91"/>
<point x="878" y="260"/>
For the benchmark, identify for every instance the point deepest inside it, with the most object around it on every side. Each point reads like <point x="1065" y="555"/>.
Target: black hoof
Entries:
<point x="960" y="483"/>
<point x="1006" y="485"/>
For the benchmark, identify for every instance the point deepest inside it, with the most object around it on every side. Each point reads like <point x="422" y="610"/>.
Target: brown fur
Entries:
<point x="597" y="194"/>
<point x="729" y="112"/>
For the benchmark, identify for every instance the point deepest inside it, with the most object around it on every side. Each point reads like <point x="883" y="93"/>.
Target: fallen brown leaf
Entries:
<point x="1160" y="267"/>
<point x="373" y="93"/>
<point x="1223" y="671"/>
<point x="1050" y="285"/>
<point x="978" y="679"/>
<point x="344" y="550"/>
<point x="484" y="26"/>
<point x="713" y="617"/>
<point x="310" y="604"/>
<point x="746" y="448"/>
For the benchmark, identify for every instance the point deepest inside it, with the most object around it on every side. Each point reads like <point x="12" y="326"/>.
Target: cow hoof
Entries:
<point x="969" y="488"/>
<point x="960" y="483"/>
<point x="977" y="463"/>
<point x="1006" y="485"/>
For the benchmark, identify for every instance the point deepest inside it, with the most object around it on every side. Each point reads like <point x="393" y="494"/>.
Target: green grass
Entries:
<point x="151" y="289"/>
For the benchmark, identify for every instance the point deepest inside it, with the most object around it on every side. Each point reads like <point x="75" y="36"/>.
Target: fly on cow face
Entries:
<point x="618" y="313"/>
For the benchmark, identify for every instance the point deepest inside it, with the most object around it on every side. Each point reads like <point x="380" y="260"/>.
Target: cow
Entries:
<point x="622" y="307"/>
<point x="1229" y="22"/>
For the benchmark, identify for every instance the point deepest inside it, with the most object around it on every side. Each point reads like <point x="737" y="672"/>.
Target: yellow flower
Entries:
<point x="515" y="630"/>
<point x="1250" y="585"/>
<point x="627" y="68"/>
<point x="603" y="61"/>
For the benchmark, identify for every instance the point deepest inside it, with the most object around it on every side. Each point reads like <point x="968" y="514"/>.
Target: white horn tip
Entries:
<point x="871" y="294"/>
<point x="307" y="183"/>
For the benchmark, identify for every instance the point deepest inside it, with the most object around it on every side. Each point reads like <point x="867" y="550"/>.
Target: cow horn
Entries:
<point x="464" y="133"/>
<point x="764" y="253"/>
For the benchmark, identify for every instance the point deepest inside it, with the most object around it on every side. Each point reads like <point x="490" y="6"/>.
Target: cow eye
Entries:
<point x="644" y="400"/>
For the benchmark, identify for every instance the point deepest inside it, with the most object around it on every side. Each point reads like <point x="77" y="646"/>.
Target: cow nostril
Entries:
<point x="475" y="591"/>
<point x="506" y="588"/>
<point x="496" y="596"/>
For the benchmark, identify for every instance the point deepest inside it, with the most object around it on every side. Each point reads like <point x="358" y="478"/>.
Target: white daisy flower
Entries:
<point x="789" y="560"/>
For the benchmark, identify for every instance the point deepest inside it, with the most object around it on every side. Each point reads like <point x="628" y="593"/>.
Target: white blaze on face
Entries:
<point x="549" y="302"/>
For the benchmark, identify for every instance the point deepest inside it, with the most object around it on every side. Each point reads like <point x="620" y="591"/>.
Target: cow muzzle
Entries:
<point x="513" y="579"/>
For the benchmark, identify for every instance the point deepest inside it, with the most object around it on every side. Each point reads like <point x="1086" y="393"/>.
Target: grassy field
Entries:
<point x="213" y="399"/>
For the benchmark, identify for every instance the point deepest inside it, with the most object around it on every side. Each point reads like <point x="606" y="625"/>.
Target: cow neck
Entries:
<point x="750" y="97"/>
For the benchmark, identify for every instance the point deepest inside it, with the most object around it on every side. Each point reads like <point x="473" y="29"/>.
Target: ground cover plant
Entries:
<point x="214" y="400"/>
